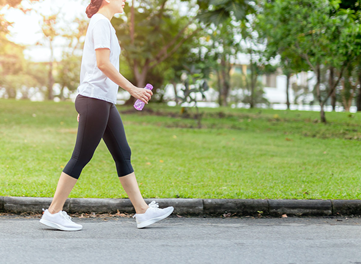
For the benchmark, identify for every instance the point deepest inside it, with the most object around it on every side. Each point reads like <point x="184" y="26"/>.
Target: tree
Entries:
<point x="307" y="29"/>
<point x="358" y="74"/>
<point x="68" y="68"/>
<point x="222" y="52"/>
<point x="11" y="54"/>
<point x="50" y="33"/>
<point x="150" y="34"/>
<point x="7" y="4"/>
<point x="226" y="17"/>
<point x="17" y="74"/>
<point x="11" y="64"/>
<point x="290" y="62"/>
<point x="218" y="11"/>
<point x="194" y="84"/>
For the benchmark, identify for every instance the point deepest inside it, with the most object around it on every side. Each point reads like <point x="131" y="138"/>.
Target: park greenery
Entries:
<point x="239" y="153"/>
<point x="190" y="152"/>
<point x="160" y="42"/>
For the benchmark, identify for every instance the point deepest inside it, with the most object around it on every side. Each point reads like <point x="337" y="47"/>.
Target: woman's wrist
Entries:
<point x="130" y="89"/>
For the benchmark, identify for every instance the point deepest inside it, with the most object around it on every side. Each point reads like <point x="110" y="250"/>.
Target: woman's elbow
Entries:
<point x="101" y="65"/>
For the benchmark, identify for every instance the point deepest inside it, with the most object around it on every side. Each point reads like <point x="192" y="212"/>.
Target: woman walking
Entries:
<point x="98" y="118"/>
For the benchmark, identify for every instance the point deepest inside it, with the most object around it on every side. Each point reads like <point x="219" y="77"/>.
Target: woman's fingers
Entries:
<point x="148" y="95"/>
<point x="144" y="95"/>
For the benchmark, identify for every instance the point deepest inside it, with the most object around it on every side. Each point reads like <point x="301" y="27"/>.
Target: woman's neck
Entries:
<point x="106" y="12"/>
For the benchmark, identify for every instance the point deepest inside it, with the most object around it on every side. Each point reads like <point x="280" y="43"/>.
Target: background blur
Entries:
<point x="277" y="54"/>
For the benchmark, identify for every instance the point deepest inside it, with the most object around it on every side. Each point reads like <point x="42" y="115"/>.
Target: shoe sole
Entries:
<point x="154" y="220"/>
<point x="57" y="226"/>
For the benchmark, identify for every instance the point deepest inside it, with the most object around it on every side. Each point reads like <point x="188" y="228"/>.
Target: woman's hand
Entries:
<point x="142" y="94"/>
<point x="78" y="117"/>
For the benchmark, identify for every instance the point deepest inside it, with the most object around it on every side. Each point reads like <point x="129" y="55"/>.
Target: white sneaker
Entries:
<point x="60" y="220"/>
<point x="152" y="215"/>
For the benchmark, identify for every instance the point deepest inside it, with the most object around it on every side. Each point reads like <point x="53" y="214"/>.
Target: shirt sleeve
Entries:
<point x="101" y="34"/>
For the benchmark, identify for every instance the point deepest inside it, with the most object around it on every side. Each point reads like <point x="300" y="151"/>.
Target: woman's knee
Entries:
<point x="75" y="166"/>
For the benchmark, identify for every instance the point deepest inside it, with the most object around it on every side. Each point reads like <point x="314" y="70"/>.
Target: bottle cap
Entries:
<point x="149" y="86"/>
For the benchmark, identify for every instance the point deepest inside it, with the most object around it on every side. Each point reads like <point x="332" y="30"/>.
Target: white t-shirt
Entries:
<point x="93" y="82"/>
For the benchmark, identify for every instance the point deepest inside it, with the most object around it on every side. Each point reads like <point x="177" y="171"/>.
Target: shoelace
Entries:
<point x="65" y="215"/>
<point x="153" y="204"/>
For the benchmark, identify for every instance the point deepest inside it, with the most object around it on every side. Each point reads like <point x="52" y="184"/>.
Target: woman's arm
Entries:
<point x="112" y="73"/>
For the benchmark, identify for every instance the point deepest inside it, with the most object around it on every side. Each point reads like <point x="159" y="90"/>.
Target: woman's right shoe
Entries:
<point x="152" y="215"/>
<point x="60" y="220"/>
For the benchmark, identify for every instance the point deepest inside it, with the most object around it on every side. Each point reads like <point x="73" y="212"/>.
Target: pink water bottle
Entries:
<point x="140" y="104"/>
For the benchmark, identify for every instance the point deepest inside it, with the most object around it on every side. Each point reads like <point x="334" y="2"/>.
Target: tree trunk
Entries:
<point x="349" y="92"/>
<point x="50" y="75"/>
<point x="175" y="92"/>
<point x="288" y="76"/>
<point x="331" y="83"/>
<point x="11" y="92"/>
<point x="322" y="111"/>
<point x="51" y="80"/>
<point x="358" y="102"/>
<point x="132" y="25"/>
<point x="61" y="95"/>
<point x="132" y="100"/>
<point x="252" y="104"/>
<point x="225" y="83"/>
<point x="219" y="83"/>
<point x="140" y="81"/>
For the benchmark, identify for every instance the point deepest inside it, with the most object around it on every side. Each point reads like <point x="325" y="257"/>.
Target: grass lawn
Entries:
<point x="238" y="153"/>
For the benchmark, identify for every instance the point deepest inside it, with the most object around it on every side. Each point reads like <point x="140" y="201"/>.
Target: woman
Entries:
<point x="98" y="118"/>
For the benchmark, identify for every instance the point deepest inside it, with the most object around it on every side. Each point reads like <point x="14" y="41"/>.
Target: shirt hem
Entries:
<point x="98" y="97"/>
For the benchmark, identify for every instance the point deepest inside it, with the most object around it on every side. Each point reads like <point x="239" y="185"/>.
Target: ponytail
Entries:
<point x="93" y="7"/>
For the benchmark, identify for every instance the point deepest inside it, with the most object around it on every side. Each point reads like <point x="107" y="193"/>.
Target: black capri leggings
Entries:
<point x="98" y="119"/>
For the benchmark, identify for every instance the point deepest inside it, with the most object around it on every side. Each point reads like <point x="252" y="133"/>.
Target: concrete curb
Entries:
<point x="191" y="206"/>
<point x="300" y="207"/>
<point x="1" y="203"/>
<point x="235" y="206"/>
<point x="346" y="207"/>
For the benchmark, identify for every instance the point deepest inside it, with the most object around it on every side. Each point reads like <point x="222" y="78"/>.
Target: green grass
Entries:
<point x="247" y="154"/>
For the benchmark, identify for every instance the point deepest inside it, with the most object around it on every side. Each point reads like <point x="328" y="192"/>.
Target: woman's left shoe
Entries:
<point x="152" y="215"/>
<point x="60" y="220"/>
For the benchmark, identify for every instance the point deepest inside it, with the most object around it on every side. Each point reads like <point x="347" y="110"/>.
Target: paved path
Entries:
<point x="184" y="240"/>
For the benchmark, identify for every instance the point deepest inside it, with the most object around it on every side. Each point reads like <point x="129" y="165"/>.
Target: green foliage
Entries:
<point x="68" y="72"/>
<point x="157" y="43"/>
<point x="255" y="97"/>
<point x="11" y="66"/>
<point x="224" y="48"/>
<point x="218" y="11"/>
<point x="194" y="84"/>
<point x="311" y="32"/>
<point x="11" y="57"/>
<point x="319" y="32"/>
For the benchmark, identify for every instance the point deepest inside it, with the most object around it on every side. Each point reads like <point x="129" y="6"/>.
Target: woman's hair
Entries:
<point x="93" y="7"/>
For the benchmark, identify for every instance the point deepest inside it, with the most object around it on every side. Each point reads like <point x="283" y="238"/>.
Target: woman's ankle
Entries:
<point x="141" y="210"/>
<point x="53" y="210"/>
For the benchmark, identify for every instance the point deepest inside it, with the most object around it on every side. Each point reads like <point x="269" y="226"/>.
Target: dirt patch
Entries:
<point x="71" y="131"/>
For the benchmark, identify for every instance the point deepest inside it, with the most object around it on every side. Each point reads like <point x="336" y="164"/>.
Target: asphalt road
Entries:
<point x="184" y="240"/>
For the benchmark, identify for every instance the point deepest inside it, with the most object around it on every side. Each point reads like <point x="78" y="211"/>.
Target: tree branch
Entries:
<point x="132" y="26"/>
<point x="164" y="50"/>
<point x="166" y="55"/>
<point x="344" y="66"/>
<point x="162" y="8"/>
<point x="305" y="56"/>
